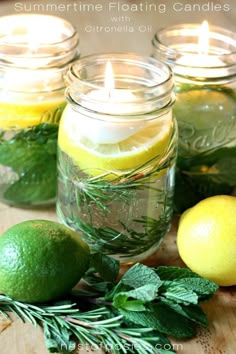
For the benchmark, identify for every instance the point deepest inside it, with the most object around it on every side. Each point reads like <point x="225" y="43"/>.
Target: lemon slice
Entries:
<point x="19" y="116"/>
<point x="149" y="142"/>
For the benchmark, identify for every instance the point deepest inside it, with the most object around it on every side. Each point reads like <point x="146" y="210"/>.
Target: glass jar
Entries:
<point x="205" y="108"/>
<point x="117" y="151"/>
<point x="35" y="51"/>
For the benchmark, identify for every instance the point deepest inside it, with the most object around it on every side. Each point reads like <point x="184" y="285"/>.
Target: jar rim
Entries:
<point x="149" y="81"/>
<point x="32" y="17"/>
<point x="178" y="46"/>
<point x="117" y="56"/>
<point x="18" y="46"/>
<point x="193" y="30"/>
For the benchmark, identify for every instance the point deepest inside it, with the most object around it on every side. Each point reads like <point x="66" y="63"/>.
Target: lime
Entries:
<point x="41" y="260"/>
<point x="143" y="145"/>
<point x="206" y="239"/>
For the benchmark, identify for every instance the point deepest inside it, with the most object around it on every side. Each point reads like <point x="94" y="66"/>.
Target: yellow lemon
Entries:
<point x="20" y="116"/>
<point x="133" y="151"/>
<point x="206" y="239"/>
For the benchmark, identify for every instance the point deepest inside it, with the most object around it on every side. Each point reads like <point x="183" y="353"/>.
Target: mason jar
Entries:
<point x="35" y="51"/>
<point x="204" y="64"/>
<point x="117" y="151"/>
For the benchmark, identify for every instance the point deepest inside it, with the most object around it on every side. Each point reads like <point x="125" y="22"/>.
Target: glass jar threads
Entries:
<point x="35" y="51"/>
<point x="204" y="63"/>
<point x="117" y="150"/>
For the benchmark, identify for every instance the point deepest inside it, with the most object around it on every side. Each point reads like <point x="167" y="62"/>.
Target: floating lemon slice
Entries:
<point x="150" y="141"/>
<point x="19" y="116"/>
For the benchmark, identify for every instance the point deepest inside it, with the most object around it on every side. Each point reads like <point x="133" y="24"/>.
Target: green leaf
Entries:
<point x="196" y="314"/>
<point x="199" y="285"/>
<point x="163" y="319"/>
<point x="143" y="294"/>
<point x="174" y="273"/>
<point x="180" y="294"/>
<point x="31" y="188"/>
<point x="204" y="175"/>
<point x="172" y="323"/>
<point x="140" y="275"/>
<point x="107" y="267"/>
<point x="121" y="301"/>
<point x="192" y="312"/>
<point x="31" y="154"/>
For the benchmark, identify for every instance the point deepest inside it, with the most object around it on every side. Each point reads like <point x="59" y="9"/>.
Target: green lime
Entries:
<point x="41" y="260"/>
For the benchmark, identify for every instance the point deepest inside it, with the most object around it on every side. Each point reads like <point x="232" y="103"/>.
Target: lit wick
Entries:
<point x="109" y="82"/>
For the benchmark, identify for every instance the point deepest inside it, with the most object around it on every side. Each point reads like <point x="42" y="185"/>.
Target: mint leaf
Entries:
<point x="143" y="294"/>
<point x="140" y="275"/>
<point x="174" y="273"/>
<point x="172" y="323"/>
<point x="196" y="314"/>
<point x="121" y="301"/>
<point x="160" y="317"/>
<point x="98" y="283"/>
<point x="192" y="312"/>
<point x="199" y="285"/>
<point x="196" y="183"/>
<point x="31" y="154"/>
<point x="180" y="294"/>
<point x="107" y="267"/>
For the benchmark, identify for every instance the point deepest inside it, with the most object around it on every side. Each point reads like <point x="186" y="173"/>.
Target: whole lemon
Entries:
<point x="206" y="239"/>
<point x="41" y="260"/>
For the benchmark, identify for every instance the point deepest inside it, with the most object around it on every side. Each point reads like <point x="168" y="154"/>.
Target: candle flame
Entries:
<point x="109" y="82"/>
<point x="203" y="39"/>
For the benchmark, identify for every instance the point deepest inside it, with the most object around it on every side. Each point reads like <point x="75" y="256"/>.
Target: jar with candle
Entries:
<point x="35" y="51"/>
<point x="117" y="151"/>
<point x="203" y="60"/>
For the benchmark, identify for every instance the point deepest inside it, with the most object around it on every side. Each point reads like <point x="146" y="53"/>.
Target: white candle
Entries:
<point x="30" y="45"/>
<point x="197" y="58"/>
<point x="34" y="52"/>
<point x="110" y="101"/>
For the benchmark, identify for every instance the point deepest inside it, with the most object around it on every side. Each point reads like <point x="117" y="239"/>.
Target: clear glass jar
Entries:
<point x="117" y="151"/>
<point x="205" y="109"/>
<point x="35" y="53"/>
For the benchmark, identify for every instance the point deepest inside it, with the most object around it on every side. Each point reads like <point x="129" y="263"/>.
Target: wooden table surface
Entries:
<point x="220" y="338"/>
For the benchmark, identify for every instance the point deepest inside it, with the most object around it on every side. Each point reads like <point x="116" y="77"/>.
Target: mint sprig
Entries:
<point x="132" y="315"/>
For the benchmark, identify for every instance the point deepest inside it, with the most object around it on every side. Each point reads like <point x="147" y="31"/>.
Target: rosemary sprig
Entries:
<point x="111" y="186"/>
<point x="133" y="315"/>
<point x="113" y="198"/>
<point x="96" y="329"/>
<point x="130" y="242"/>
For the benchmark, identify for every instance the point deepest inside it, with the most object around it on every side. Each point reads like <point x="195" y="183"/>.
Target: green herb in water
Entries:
<point x="124" y="214"/>
<point x="204" y="175"/>
<point x="30" y="154"/>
